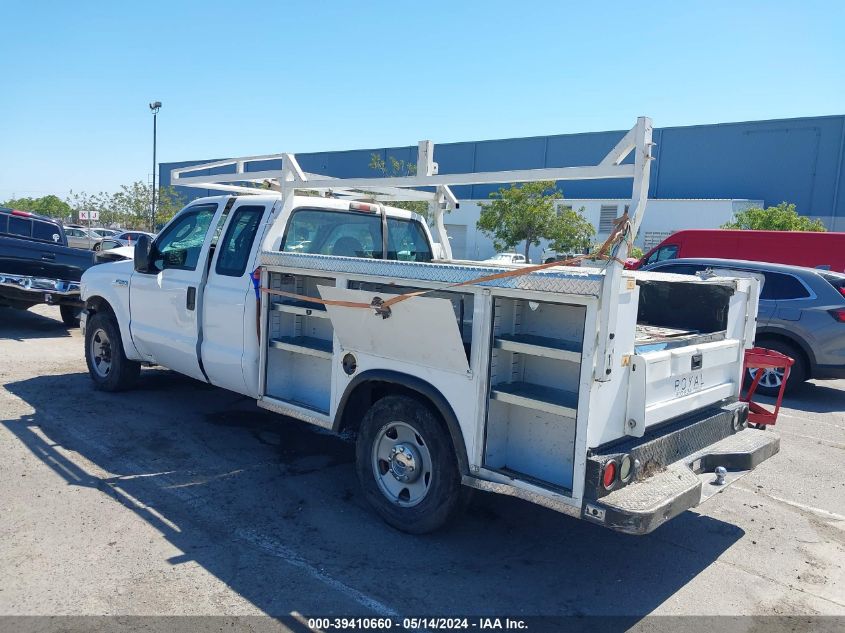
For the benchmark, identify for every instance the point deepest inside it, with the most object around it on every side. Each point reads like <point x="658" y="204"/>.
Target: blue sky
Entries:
<point x="242" y="77"/>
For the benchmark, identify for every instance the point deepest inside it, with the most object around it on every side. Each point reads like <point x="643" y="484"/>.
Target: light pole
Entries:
<point x="155" y="106"/>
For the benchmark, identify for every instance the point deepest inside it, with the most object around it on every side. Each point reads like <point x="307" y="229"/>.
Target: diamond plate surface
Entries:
<point x="648" y="495"/>
<point x="569" y="280"/>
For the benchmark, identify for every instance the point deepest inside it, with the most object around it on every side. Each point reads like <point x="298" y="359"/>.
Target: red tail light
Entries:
<point x="838" y="314"/>
<point x="608" y="475"/>
<point x="23" y="214"/>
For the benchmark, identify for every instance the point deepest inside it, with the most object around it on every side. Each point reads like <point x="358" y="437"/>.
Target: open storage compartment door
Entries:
<point x="535" y="370"/>
<point x="421" y="330"/>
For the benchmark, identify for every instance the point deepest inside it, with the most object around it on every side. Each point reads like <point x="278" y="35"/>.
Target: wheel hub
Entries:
<point x="404" y="463"/>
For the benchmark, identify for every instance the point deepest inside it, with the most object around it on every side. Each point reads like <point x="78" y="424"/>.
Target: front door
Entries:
<point x="165" y="304"/>
<point x="229" y="331"/>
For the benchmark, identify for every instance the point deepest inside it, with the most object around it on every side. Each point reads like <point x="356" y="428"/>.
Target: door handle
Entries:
<point x="191" y="300"/>
<point x="48" y="256"/>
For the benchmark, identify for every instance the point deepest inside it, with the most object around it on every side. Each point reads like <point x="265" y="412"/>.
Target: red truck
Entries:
<point x="799" y="248"/>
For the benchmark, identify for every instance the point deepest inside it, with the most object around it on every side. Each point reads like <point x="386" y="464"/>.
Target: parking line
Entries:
<point x="290" y="556"/>
<point x="825" y="513"/>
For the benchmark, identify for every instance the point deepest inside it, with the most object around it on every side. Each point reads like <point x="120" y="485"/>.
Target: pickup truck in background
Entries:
<point x="37" y="265"/>
<point x="604" y="394"/>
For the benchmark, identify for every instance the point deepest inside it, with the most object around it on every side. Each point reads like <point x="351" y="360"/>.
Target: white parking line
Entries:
<point x="291" y="557"/>
<point x="820" y="511"/>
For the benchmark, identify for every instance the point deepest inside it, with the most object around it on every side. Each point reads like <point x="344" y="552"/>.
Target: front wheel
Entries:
<point x="107" y="364"/>
<point x="407" y="466"/>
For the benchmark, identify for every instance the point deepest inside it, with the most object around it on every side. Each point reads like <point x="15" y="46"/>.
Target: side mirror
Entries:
<point x="143" y="254"/>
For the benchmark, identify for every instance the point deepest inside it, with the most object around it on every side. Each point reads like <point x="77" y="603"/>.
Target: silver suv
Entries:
<point x="801" y="314"/>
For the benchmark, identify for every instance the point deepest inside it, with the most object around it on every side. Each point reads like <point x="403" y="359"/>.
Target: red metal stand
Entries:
<point x="761" y="358"/>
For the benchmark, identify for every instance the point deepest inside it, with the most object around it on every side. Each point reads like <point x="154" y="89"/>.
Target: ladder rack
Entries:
<point x="430" y="186"/>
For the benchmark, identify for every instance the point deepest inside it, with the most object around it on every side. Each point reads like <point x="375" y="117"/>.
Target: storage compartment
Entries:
<point x="463" y="304"/>
<point x="300" y="343"/>
<point x="535" y="368"/>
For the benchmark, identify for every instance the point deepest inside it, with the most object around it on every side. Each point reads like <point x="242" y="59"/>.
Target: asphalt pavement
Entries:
<point x="180" y="498"/>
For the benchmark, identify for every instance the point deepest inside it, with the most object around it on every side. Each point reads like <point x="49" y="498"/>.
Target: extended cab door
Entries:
<point x="165" y="303"/>
<point x="230" y="313"/>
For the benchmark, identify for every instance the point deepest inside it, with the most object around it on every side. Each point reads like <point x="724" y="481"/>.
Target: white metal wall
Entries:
<point x="660" y="216"/>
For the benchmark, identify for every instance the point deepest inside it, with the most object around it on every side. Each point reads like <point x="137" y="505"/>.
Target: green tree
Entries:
<point x="51" y="206"/>
<point x="571" y="232"/>
<point x="128" y="208"/>
<point x="526" y="213"/>
<point x="782" y="217"/>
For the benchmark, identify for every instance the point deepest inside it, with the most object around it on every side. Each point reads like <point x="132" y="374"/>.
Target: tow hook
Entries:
<point x="721" y="472"/>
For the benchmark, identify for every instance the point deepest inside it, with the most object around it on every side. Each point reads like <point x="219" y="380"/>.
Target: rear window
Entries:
<point x="780" y="287"/>
<point x="350" y="234"/>
<point x="837" y="281"/>
<point x="4" y="222"/>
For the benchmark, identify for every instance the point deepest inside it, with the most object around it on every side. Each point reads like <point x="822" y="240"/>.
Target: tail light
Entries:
<point x="23" y="214"/>
<point x="838" y="314"/>
<point x="608" y="474"/>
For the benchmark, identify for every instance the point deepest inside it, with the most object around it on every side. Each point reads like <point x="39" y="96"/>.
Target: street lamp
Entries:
<point x="155" y="106"/>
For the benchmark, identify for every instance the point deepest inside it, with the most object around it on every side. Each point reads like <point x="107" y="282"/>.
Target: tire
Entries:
<point x="107" y="364"/>
<point x="70" y="315"/>
<point x="770" y="382"/>
<point x="415" y="436"/>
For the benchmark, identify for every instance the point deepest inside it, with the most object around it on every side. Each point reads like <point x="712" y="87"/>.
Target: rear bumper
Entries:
<point x="663" y="489"/>
<point x="27" y="289"/>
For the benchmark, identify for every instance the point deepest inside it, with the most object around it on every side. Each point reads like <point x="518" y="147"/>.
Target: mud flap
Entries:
<point x="421" y="330"/>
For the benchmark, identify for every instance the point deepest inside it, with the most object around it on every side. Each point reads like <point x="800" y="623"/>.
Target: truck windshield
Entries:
<point x="352" y="234"/>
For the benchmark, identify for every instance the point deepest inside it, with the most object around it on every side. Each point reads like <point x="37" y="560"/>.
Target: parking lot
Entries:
<point x="180" y="498"/>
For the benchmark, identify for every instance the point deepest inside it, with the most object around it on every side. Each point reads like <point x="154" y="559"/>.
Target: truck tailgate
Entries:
<point x="667" y="383"/>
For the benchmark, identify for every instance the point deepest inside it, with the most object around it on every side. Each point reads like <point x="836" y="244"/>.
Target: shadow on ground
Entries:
<point x="21" y="325"/>
<point x="233" y="486"/>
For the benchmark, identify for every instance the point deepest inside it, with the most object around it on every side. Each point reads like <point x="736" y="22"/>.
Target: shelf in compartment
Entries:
<point x="302" y="308"/>
<point x="539" y="346"/>
<point x="304" y="345"/>
<point x="526" y="394"/>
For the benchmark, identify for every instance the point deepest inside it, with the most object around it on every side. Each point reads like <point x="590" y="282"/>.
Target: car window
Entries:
<point x="779" y="286"/>
<point x="333" y="233"/>
<point x="20" y="226"/>
<point x="406" y="241"/>
<point x="181" y="243"/>
<point x="4" y="223"/>
<point x="45" y="231"/>
<point x="679" y="269"/>
<point x="236" y="246"/>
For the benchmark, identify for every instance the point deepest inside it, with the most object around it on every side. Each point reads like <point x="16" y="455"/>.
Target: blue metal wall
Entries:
<point x="798" y="160"/>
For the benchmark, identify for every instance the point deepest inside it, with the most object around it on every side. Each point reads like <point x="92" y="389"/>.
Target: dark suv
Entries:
<point x="37" y="266"/>
<point x="801" y="314"/>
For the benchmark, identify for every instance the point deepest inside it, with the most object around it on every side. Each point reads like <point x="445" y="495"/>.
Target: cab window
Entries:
<point x="236" y="246"/>
<point x="20" y="226"/>
<point x="180" y="245"/>
<point x="45" y="232"/>
<point x="351" y="234"/>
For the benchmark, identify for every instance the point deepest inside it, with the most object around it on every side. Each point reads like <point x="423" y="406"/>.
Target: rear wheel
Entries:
<point x="107" y="364"/>
<point x="407" y="466"/>
<point x="70" y="315"/>
<point x="772" y="379"/>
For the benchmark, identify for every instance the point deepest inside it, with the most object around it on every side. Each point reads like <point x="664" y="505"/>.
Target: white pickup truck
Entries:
<point x="605" y="394"/>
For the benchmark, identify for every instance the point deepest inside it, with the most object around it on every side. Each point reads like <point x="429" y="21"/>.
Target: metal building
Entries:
<point x="797" y="160"/>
